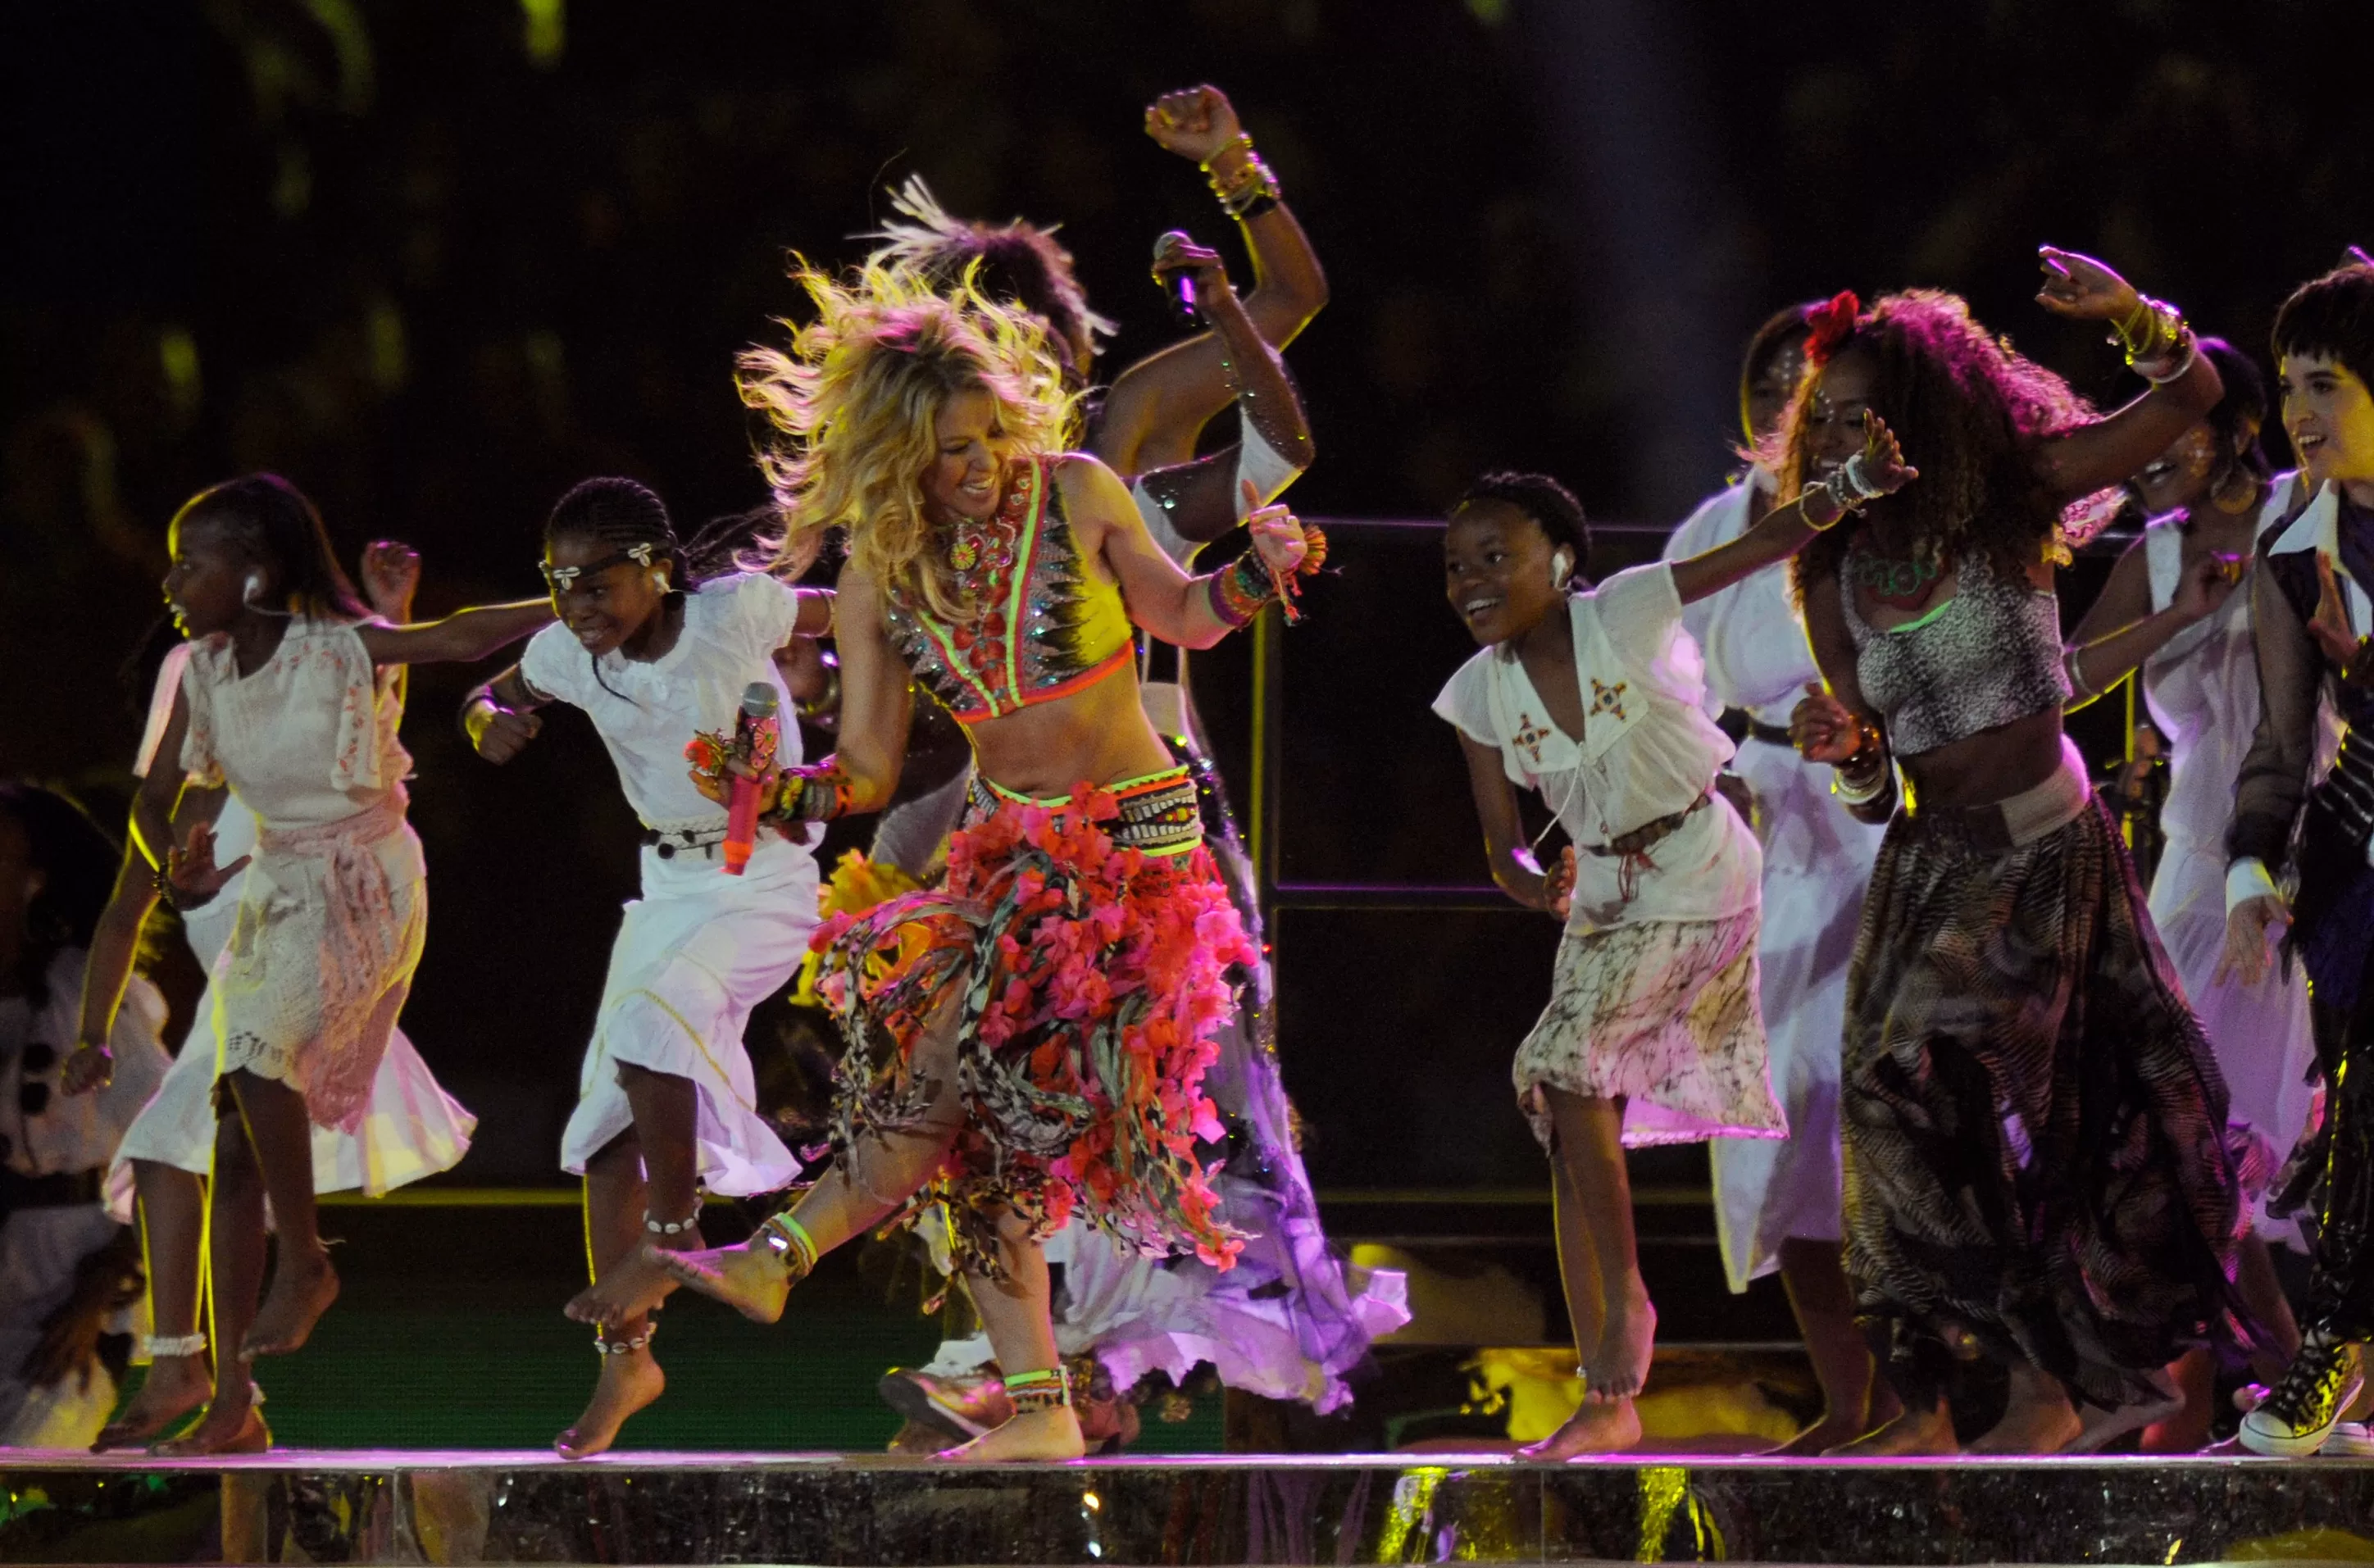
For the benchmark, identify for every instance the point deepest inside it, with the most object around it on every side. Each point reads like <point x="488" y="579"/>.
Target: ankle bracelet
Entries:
<point x="1033" y="1392"/>
<point x="153" y="1347"/>
<point x="671" y="1227"/>
<point x="790" y="1242"/>
<point x="622" y="1347"/>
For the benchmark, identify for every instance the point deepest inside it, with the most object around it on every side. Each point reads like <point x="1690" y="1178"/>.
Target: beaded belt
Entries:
<point x="673" y="841"/>
<point x="1159" y="814"/>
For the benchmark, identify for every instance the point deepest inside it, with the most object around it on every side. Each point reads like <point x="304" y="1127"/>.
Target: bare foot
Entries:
<point x="1041" y="1435"/>
<point x="175" y="1385"/>
<point x="1912" y="1433"/>
<point x="1609" y="1428"/>
<point x="1618" y="1369"/>
<point x="750" y="1279"/>
<point x="631" y="1288"/>
<point x="628" y="1383"/>
<point x="231" y="1425"/>
<point x="2038" y="1417"/>
<point x="1819" y="1438"/>
<point x="304" y="1286"/>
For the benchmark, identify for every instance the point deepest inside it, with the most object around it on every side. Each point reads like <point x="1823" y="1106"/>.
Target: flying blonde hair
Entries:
<point x="856" y="400"/>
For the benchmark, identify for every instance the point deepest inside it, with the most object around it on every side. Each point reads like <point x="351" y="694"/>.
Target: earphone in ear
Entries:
<point x="659" y="581"/>
<point x="253" y="589"/>
<point x="1561" y="567"/>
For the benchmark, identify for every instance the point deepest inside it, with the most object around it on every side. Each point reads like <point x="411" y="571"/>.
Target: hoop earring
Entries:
<point x="2231" y="498"/>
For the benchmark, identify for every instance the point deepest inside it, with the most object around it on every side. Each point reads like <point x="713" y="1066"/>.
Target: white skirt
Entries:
<point x="411" y="1128"/>
<point x="695" y="953"/>
<point x="1816" y="863"/>
<point x="1662" y="1015"/>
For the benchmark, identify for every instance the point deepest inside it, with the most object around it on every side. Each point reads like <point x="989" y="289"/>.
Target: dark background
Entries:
<point x="436" y="261"/>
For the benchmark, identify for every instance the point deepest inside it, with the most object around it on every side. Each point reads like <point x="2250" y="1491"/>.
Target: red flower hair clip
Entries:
<point x="1830" y="324"/>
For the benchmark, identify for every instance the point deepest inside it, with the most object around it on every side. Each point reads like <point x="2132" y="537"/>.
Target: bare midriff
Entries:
<point x="1993" y="764"/>
<point x="1097" y="736"/>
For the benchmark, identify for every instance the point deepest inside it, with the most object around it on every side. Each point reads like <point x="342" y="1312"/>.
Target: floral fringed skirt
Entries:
<point x="1090" y="949"/>
<point x="2036" y="1139"/>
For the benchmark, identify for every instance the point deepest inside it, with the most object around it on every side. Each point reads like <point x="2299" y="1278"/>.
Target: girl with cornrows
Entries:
<point x="1652" y="1033"/>
<point x="2211" y="501"/>
<point x="666" y="1102"/>
<point x="2034" y="1127"/>
<point x="1028" y="1043"/>
<point x="282" y="703"/>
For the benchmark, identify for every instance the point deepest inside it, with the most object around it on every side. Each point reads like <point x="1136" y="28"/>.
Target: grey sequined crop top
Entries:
<point x="1989" y="655"/>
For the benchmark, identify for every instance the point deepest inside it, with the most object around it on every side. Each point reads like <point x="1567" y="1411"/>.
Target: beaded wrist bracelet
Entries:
<point x="1238" y="591"/>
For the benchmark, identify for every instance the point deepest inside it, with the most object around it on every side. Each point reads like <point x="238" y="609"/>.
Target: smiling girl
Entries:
<point x="666" y="1102"/>
<point x="282" y="703"/>
<point x="1652" y="1035"/>
<point x="2310" y="619"/>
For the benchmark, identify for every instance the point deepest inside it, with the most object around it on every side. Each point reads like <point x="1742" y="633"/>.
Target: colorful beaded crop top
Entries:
<point x="1047" y="628"/>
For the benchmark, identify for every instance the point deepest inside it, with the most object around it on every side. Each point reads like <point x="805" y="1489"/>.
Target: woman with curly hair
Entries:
<point x="1029" y="1043"/>
<point x="2034" y="1127"/>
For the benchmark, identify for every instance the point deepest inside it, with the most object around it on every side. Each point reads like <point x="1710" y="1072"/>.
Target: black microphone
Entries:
<point x="1178" y="281"/>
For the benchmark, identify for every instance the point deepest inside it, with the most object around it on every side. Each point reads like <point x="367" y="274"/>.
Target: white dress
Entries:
<point x="1653" y="995"/>
<point x="45" y="1132"/>
<point x="330" y="918"/>
<point x="699" y="949"/>
<point x="410" y="1128"/>
<point x="1817" y="864"/>
<point x="2202" y="690"/>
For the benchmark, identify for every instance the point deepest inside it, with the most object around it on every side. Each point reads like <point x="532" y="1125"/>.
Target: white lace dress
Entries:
<point x="2202" y="690"/>
<point x="1654" y="997"/>
<point x="330" y="918"/>
<point x="410" y="1128"/>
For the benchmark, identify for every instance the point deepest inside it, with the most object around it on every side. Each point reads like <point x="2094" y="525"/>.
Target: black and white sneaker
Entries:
<point x="2300" y="1411"/>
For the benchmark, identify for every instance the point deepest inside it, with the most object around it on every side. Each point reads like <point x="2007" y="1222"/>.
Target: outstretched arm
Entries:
<point x="463" y="638"/>
<point x="2185" y="386"/>
<point x="1878" y="470"/>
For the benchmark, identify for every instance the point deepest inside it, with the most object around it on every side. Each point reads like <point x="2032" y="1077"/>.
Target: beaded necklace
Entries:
<point x="1901" y="581"/>
<point x="988" y="542"/>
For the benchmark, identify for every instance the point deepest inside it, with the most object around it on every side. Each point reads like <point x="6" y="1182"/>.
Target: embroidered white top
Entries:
<point x="645" y="711"/>
<point x="1647" y="750"/>
<point x="308" y="738"/>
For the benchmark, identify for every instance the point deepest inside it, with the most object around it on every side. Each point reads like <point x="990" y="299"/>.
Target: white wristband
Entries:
<point x="2247" y="879"/>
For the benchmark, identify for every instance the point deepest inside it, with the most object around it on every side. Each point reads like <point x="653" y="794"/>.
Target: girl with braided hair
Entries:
<point x="666" y="1102"/>
<point x="2035" y="1129"/>
<point x="1029" y="1044"/>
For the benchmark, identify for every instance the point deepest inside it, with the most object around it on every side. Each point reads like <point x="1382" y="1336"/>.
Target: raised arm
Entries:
<point x="1157" y="407"/>
<point x="2120" y="630"/>
<point x="2184" y="383"/>
<point x="1514" y="870"/>
<point x="463" y="638"/>
<point x="1192" y="612"/>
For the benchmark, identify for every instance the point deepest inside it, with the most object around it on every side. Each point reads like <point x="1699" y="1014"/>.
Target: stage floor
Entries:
<point x="488" y="1506"/>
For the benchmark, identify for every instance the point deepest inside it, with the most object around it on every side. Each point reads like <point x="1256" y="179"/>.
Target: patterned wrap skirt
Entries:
<point x="1091" y="951"/>
<point x="2034" y="1127"/>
